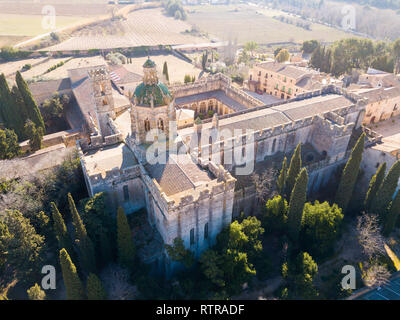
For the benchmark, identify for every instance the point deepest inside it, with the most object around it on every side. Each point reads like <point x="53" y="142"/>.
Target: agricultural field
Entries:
<point x="62" y="72"/>
<point x="11" y="67"/>
<point x="21" y="20"/>
<point x="250" y="23"/>
<point x="63" y="7"/>
<point x="30" y="25"/>
<point x="41" y="65"/>
<point x="177" y="68"/>
<point x="145" y="27"/>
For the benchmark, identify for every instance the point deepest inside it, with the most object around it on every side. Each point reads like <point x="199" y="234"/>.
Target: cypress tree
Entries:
<point x="73" y="284"/>
<point x="126" y="248"/>
<point x="349" y="175"/>
<point x="35" y="135"/>
<point x="19" y="107"/>
<point x="282" y="177"/>
<point x="381" y="202"/>
<point x="165" y="71"/>
<point x="392" y="215"/>
<point x="60" y="230"/>
<point x="293" y="171"/>
<point x="374" y="185"/>
<point x="31" y="107"/>
<point x="296" y="205"/>
<point x="9" y="113"/>
<point x="95" y="289"/>
<point x="4" y="99"/>
<point x="85" y="244"/>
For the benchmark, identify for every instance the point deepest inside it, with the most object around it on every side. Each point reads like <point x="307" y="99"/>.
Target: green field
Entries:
<point x="248" y="23"/>
<point x="29" y="25"/>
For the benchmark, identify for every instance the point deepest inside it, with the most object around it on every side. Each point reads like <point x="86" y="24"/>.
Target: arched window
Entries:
<point x="126" y="193"/>
<point x="210" y="105"/>
<point x="161" y="124"/>
<point x="273" y="145"/>
<point x="203" y="108"/>
<point x="105" y="102"/>
<point x="206" y="231"/>
<point x="191" y="237"/>
<point x="147" y="125"/>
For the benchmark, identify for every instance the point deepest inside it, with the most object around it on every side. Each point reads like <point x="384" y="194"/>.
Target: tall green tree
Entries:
<point x="10" y="108"/>
<point x="349" y="175"/>
<point x="95" y="289"/>
<point x="9" y="147"/>
<point x="309" y="46"/>
<point x="73" y="285"/>
<point x="300" y="274"/>
<point x="383" y="198"/>
<point x="22" y="245"/>
<point x="5" y="102"/>
<point x="296" y="205"/>
<point x="101" y="227"/>
<point x="126" y="247"/>
<point x="275" y="217"/>
<point x="374" y="185"/>
<point x="392" y="215"/>
<point x="320" y="228"/>
<point x="85" y="245"/>
<point x="283" y="56"/>
<point x="60" y="230"/>
<point x="20" y="113"/>
<point x="35" y="135"/>
<point x="231" y="263"/>
<point x="204" y="59"/>
<point x="165" y="71"/>
<point x="31" y="107"/>
<point x="281" y="182"/>
<point x="293" y="171"/>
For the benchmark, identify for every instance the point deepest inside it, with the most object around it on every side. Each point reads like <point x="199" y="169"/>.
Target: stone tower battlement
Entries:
<point x="223" y="182"/>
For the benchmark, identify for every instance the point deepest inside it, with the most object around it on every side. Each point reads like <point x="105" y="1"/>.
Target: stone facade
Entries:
<point x="284" y="81"/>
<point x="196" y="198"/>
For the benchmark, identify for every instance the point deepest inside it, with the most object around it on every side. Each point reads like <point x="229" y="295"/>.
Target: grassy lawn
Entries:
<point x="248" y="23"/>
<point x="30" y="25"/>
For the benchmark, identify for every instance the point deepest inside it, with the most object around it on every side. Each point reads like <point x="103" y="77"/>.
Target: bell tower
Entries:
<point x="103" y="99"/>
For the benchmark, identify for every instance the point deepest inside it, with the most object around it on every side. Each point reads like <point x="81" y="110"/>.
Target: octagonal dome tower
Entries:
<point x="153" y="105"/>
<point x="151" y="92"/>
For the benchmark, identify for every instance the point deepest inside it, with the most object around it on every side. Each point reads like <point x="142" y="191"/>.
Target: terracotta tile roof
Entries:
<point x="178" y="176"/>
<point x="286" y="69"/>
<point x="119" y="75"/>
<point x="310" y="107"/>
<point x="49" y="87"/>
<point x="380" y="94"/>
<point x="83" y="91"/>
<point x="269" y="117"/>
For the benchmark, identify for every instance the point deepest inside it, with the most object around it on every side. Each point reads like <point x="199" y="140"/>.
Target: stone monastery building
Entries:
<point x="193" y="195"/>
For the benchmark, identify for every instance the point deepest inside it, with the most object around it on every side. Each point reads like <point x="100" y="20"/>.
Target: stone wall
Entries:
<point x="216" y="82"/>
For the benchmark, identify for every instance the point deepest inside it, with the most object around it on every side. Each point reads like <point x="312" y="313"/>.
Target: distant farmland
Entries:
<point x="249" y="23"/>
<point x="145" y="27"/>
<point x="21" y="20"/>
